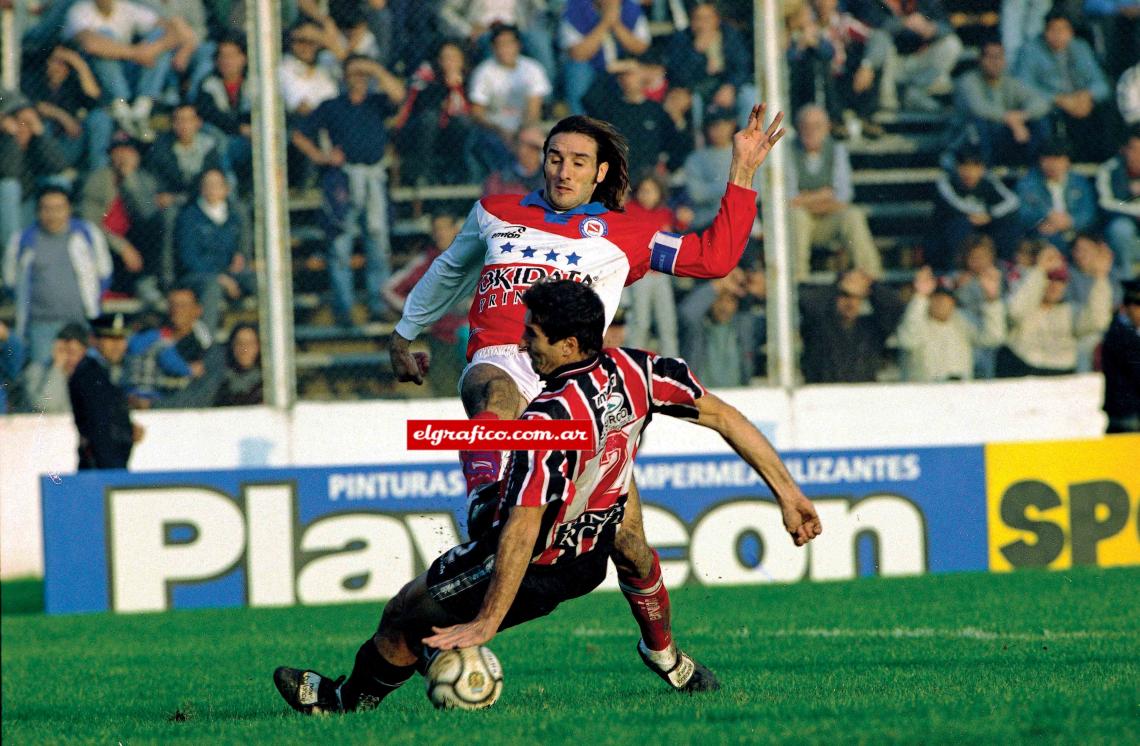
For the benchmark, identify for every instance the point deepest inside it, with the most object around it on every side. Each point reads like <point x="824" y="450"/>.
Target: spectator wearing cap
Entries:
<point x="968" y="200"/>
<point x="938" y="339"/>
<point x="59" y="268"/>
<point x="819" y="184"/>
<point x="711" y="59"/>
<point x="1009" y="118"/>
<point x="594" y="34"/>
<point x="98" y="401"/>
<point x="1118" y="194"/>
<point x="1064" y="69"/>
<point x="1045" y="327"/>
<point x="506" y="93"/>
<point x="654" y="143"/>
<point x="45" y="385"/>
<point x="130" y="48"/>
<point x="119" y="198"/>
<point x="707" y="168"/>
<point x="1056" y="203"/>
<point x="1120" y="359"/>
<point x="842" y="343"/>
<point x="526" y="174"/>
<point x="29" y="158"/>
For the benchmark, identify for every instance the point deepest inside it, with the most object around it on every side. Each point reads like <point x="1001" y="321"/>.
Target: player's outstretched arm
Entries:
<point x="751" y="145"/>
<point x="516" y="544"/>
<point x="800" y="518"/>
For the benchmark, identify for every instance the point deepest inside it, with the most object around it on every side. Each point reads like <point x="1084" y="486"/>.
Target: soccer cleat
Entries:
<point x="308" y="692"/>
<point x="686" y="675"/>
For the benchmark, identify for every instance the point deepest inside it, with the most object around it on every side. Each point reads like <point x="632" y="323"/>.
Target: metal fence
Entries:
<point x="223" y="148"/>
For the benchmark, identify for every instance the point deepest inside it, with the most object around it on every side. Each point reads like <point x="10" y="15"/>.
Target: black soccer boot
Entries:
<point x="308" y="692"/>
<point x="686" y="675"/>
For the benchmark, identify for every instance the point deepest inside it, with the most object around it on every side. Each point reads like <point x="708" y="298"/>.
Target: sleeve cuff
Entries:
<point x="407" y="329"/>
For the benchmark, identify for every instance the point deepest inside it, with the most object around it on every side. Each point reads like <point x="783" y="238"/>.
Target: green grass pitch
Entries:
<point x="1026" y="657"/>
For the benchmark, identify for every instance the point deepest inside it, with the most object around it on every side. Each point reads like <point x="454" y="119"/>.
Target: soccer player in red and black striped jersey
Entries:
<point x="574" y="228"/>
<point x="559" y="512"/>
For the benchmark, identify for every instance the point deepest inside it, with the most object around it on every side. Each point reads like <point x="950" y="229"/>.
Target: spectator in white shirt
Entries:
<point x="938" y="339"/>
<point x="506" y="93"/>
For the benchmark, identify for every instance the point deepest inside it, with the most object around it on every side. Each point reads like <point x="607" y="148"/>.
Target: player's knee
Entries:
<point x="486" y="388"/>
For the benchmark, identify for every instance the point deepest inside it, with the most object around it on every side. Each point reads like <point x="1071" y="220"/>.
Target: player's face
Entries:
<point x="572" y="170"/>
<point x="544" y="356"/>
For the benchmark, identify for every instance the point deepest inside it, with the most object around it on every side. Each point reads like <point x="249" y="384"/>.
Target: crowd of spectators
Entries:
<point x="125" y="169"/>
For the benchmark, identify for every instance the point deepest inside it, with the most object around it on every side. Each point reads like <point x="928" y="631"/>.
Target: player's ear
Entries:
<point x="603" y="169"/>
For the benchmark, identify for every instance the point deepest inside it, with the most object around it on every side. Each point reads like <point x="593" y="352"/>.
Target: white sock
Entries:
<point x="663" y="659"/>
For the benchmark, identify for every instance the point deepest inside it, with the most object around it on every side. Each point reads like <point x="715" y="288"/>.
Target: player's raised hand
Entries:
<point x="751" y="145"/>
<point x="407" y="366"/>
<point x="477" y="632"/>
<point x="800" y="519"/>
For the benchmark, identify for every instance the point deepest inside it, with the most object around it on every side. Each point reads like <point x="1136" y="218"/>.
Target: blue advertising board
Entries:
<point x="123" y="541"/>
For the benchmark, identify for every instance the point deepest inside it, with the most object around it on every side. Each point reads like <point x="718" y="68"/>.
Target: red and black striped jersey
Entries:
<point x="614" y="394"/>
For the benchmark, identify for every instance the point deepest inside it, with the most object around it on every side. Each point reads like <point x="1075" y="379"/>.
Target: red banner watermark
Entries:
<point x="499" y="435"/>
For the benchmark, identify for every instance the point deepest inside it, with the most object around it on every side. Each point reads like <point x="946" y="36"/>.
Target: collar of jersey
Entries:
<point x="535" y="199"/>
<point x="572" y="369"/>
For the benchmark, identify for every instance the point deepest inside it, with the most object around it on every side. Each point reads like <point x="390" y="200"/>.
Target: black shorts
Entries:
<point x="459" y="579"/>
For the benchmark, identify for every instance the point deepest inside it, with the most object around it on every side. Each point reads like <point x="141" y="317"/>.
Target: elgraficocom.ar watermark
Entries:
<point x="503" y="435"/>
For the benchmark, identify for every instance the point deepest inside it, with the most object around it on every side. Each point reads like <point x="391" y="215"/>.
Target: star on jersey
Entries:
<point x="528" y="252"/>
<point x="506" y="248"/>
<point x="551" y="255"/>
<point x="572" y="258"/>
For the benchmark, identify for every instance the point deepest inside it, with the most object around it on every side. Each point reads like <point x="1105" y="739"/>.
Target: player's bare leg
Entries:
<point x="639" y="576"/>
<point x="488" y="393"/>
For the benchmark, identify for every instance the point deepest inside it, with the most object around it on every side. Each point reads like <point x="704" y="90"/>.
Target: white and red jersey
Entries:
<point x="509" y="242"/>
<point x="614" y="394"/>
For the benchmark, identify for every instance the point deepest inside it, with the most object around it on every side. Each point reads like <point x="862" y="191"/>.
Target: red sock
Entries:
<point x="481" y="467"/>
<point x="649" y="601"/>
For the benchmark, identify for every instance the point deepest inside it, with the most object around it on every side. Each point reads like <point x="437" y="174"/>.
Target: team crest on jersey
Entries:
<point x="593" y="228"/>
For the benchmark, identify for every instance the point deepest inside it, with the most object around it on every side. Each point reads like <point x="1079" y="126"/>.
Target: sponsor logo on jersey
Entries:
<point x="510" y="231"/>
<point x="593" y="228"/>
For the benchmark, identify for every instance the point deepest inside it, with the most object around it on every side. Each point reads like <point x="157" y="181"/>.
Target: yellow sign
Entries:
<point x="1064" y="503"/>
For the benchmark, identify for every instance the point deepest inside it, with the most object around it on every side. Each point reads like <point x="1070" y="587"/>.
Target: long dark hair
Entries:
<point x="613" y="149"/>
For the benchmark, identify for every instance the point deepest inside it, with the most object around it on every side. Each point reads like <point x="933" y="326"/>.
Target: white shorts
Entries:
<point x="512" y="361"/>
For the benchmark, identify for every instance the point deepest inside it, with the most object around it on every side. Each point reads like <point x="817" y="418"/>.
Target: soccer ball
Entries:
<point x="464" y="679"/>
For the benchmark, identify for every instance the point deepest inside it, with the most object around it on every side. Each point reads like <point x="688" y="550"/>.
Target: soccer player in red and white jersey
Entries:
<point x="575" y="229"/>
<point x="559" y="512"/>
